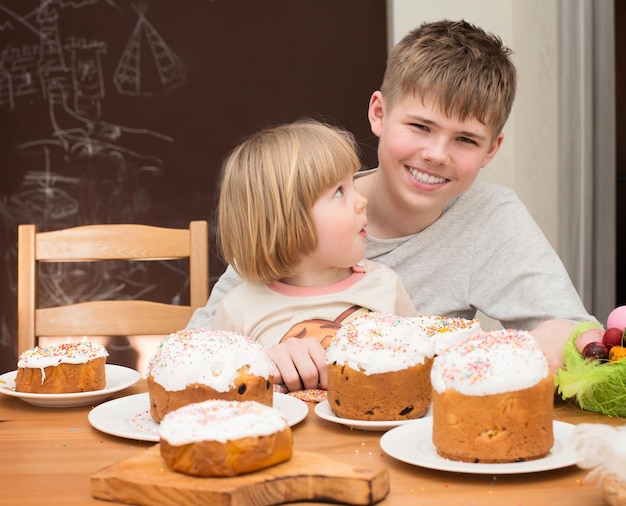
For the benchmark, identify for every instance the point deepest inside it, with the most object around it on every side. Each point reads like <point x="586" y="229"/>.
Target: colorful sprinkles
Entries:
<point x="211" y="357"/>
<point x="309" y="395"/>
<point x="71" y="353"/>
<point x="380" y="342"/>
<point x="490" y="363"/>
<point x="220" y="420"/>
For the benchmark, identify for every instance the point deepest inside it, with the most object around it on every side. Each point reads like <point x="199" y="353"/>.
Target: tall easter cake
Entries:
<point x="195" y="365"/>
<point x="63" y="368"/>
<point x="493" y="397"/>
<point x="224" y="438"/>
<point x="379" y="365"/>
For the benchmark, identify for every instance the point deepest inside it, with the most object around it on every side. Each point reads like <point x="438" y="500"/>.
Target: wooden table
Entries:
<point x="49" y="454"/>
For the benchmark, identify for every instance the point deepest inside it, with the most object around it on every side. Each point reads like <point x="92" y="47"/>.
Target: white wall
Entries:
<point x="528" y="161"/>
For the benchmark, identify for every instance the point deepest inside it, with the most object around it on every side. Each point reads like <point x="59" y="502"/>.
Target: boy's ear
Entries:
<point x="375" y="113"/>
<point x="493" y="149"/>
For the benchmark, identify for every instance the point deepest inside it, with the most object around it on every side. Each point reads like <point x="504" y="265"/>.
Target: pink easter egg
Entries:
<point x="589" y="336"/>
<point x="617" y="318"/>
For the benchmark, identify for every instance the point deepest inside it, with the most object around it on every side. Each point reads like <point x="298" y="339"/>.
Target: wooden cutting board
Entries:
<point x="144" y="479"/>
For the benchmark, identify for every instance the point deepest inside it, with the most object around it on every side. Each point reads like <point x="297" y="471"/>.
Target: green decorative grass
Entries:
<point x="596" y="386"/>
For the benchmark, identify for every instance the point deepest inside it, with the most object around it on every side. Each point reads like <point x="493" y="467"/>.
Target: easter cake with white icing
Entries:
<point x="224" y="438"/>
<point x="195" y="365"/>
<point x="493" y="399"/>
<point x="379" y="364"/>
<point x="62" y="368"/>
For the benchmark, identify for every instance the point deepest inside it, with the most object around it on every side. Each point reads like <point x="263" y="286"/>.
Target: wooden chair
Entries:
<point x="95" y="243"/>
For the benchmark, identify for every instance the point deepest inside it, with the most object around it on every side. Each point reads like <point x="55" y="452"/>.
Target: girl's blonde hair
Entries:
<point x="269" y="185"/>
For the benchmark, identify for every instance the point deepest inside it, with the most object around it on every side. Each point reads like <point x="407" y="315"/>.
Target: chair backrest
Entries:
<point x="94" y="243"/>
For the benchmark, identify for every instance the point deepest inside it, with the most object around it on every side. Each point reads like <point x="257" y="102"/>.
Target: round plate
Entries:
<point x="118" y="378"/>
<point x="129" y="416"/>
<point x="323" y="411"/>
<point x="413" y="444"/>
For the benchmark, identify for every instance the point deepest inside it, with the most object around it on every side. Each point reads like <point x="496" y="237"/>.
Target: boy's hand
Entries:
<point x="551" y="336"/>
<point x="299" y="364"/>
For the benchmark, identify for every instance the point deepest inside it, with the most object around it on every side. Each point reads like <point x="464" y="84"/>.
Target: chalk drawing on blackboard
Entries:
<point x="68" y="74"/>
<point x="44" y="195"/>
<point x="84" y="136"/>
<point x="78" y="166"/>
<point x="170" y="68"/>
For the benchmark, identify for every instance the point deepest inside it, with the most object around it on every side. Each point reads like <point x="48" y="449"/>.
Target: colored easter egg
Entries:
<point x="617" y="318"/>
<point x="596" y="351"/>
<point x="612" y="337"/>
<point x="589" y="336"/>
<point x="617" y="353"/>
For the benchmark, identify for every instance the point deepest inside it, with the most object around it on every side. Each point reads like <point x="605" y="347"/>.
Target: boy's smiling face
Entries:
<point x="426" y="157"/>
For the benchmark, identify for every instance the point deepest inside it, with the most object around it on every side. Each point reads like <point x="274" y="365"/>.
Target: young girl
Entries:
<point x="293" y="226"/>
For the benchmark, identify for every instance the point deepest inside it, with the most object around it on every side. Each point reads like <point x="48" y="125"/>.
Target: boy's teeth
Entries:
<point x="425" y="178"/>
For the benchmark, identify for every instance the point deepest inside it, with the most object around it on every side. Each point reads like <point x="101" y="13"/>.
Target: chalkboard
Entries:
<point x="122" y="111"/>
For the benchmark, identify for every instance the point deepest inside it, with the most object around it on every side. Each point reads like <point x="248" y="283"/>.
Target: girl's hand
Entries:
<point x="300" y="364"/>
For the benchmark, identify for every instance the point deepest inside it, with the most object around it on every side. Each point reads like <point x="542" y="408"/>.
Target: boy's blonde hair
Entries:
<point x="269" y="185"/>
<point x="468" y="72"/>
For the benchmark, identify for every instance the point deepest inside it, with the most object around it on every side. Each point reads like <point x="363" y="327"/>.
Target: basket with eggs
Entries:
<point x="596" y="378"/>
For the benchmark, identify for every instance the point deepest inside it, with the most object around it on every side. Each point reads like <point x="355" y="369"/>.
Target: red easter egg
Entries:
<point x="612" y="337"/>
<point x="596" y="351"/>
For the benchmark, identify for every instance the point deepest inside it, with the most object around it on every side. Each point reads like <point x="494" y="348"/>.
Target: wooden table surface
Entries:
<point x="49" y="454"/>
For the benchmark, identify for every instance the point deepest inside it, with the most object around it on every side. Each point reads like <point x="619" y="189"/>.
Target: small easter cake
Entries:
<point x="379" y="369"/>
<point x="61" y="369"/>
<point x="224" y="438"/>
<point x="195" y="365"/>
<point x="493" y="397"/>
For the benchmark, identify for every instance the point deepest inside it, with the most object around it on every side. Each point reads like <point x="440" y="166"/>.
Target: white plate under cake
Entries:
<point x="117" y="378"/>
<point x="325" y="413"/>
<point x="412" y="443"/>
<point x="129" y="417"/>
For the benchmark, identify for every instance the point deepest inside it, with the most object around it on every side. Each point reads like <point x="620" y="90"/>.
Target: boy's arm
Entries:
<point x="552" y="335"/>
<point x="517" y="276"/>
<point x="203" y="317"/>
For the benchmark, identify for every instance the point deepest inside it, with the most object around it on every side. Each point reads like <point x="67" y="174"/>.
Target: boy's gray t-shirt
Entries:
<point x="485" y="252"/>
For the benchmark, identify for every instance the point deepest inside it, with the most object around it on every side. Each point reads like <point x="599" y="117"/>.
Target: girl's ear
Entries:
<point x="375" y="113"/>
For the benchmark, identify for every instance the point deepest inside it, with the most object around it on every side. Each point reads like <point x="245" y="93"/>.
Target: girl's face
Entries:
<point x="340" y="220"/>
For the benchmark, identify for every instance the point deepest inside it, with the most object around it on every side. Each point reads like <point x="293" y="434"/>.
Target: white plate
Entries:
<point x="413" y="444"/>
<point x="118" y="378"/>
<point x="129" y="416"/>
<point x="323" y="411"/>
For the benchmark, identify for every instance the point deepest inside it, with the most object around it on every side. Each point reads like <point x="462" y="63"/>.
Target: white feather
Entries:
<point x="601" y="448"/>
